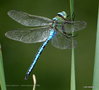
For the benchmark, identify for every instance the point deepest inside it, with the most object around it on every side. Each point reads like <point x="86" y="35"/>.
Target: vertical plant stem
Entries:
<point x="72" y="9"/>
<point x="96" y="65"/>
<point x="72" y="84"/>
<point x="2" y="78"/>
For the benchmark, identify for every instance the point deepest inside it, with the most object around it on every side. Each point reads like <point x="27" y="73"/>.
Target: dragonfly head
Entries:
<point x="62" y="14"/>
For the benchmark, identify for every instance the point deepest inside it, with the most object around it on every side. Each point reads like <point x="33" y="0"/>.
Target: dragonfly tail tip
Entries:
<point x="26" y="77"/>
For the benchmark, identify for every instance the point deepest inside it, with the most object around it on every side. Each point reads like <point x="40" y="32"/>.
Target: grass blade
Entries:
<point x="96" y="65"/>
<point x="2" y="78"/>
<point x="72" y="84"/>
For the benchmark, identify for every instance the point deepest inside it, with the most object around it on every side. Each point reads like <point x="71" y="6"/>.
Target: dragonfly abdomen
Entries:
<point x="39" y="53"/>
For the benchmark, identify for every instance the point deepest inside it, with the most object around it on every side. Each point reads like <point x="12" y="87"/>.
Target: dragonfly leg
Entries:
<point x="69" y="35"/>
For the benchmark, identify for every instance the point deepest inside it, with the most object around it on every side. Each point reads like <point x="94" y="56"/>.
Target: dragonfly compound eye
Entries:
<point x="62" y="14"/>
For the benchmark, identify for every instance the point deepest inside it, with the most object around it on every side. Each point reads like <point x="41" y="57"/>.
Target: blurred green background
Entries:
<point x="53" y="69"/>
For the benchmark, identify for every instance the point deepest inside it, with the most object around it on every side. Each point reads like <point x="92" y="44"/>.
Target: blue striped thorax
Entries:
<point x="59" y="19"/>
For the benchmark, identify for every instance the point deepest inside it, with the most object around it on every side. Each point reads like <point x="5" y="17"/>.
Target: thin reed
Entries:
<point x="2" y="78"/>
<point x="72" y="82"/>
<point x="96" y="65"/>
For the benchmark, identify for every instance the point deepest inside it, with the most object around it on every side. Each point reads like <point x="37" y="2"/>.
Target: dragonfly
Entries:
<point x="42" y="29"/>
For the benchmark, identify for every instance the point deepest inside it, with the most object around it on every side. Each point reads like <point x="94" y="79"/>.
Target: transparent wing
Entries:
<point x="28" y="19"/>
<point x="70" y="26"/>
<point x="30" y="35"/>
<point x="62" y="42"/>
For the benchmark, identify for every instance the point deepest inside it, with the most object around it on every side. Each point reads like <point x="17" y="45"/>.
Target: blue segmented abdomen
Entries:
<point x="52" y="32"/>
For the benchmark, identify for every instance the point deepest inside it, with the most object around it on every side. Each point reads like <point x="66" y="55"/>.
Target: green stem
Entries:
<point x="72" y="9"/>
<point x="72" y="85"/>
<point x="96" y="65"/>
<point x="2" y="78"/>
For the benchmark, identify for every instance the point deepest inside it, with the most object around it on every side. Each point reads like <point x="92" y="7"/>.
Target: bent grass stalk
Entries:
<point x="72" y="81"/>
<point x="34" y="81"/>
<point x="96" y="65"/>
<point x="2" y="78"/>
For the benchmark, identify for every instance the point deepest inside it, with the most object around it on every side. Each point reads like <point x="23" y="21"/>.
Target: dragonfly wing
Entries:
<point x="28" y="19"/>
<point x="72" y="26"/>
<point x="62" y="42"/>
<point x="30" y="35"/>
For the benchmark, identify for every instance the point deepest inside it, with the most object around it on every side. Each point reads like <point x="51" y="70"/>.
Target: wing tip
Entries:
<point x="84" y="24"/>
<point x="6" y="34"/>
<point x="9" y="12"/>
<point x="26" y="76"/>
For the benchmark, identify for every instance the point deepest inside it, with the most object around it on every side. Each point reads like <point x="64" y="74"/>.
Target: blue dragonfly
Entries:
<point x="41" y="29"/>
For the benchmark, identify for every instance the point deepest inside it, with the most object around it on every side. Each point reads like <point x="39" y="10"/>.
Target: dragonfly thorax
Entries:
<point x="58" y="19"/>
